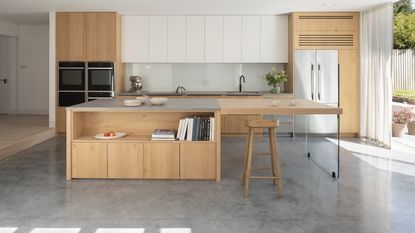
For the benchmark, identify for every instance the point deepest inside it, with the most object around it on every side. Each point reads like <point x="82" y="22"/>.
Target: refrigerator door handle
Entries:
<point x="319" y="82"/>
<point x="312" y="81"/>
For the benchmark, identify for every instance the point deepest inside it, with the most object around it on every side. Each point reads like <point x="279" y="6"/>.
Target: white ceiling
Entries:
<point x="36" y="11"/>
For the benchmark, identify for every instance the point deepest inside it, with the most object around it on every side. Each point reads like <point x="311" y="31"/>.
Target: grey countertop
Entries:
<point x="174" y="104"/>
<point x="194" y="93"/>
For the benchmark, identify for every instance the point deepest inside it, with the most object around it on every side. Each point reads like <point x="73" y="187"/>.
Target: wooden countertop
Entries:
<point x="264" y="106"/>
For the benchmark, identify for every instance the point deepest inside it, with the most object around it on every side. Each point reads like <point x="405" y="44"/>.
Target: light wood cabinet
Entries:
<point x="333" y="31"/>
<point x="236" y="124"/>
<point x="88" y="37"/>
<point x="125" y="160"/>
<point x="161" y="160"/>
<point x="157" y="39"/>
<point x="349" y="61"/>
<point x="327" y="21"/>
<point x="70" y="36"/>
<point x="101" y="36"/>
<point x="214" y="39"/>
<point x="325" y="30"/>
<point x="60" y="120"/>
<point x="89" y="160"/>
<point x="198" y="161"/>
<point x="195" y="39"/>
<point x="176" y="37"/>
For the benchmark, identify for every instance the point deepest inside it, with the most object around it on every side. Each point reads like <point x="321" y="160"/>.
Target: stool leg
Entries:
<point x="249" y="160"/>
<point x="277" y="160"/>
<point x="272" y="153"/>
<point x="246" y="156"/>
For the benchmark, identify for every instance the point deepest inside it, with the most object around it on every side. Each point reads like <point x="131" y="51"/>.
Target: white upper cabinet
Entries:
<point x="176" y="39"/>
<point x="157" y="39"/>
<point x="232" y="39"/>
<point x="195" y="39"/>
<point x="251" y="39"/>
<point x="274" y="39"/>
<point x="205" y="39"/>
<point x="134" y="39"/>
<point x="213" y="39"/>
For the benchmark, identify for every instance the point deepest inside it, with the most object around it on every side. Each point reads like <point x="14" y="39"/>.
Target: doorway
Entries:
<point x="4" y="75"/>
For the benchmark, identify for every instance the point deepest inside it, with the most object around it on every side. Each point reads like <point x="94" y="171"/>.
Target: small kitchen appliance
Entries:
<point x="136" y="84"/>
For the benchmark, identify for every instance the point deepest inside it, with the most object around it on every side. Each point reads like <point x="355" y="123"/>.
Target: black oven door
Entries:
<point x="100" y="77"/>
<point x="69" y="98"/>
<point x="71" y="76"/>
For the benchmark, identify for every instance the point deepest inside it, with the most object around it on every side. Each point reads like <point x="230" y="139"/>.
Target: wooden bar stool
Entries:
<point x="271" y="125"/>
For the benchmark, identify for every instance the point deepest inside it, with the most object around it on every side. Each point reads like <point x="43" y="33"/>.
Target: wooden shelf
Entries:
<point x="130" y="138"/>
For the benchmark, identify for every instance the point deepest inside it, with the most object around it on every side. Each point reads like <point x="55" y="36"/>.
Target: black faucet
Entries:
<point x="240" y="82"/>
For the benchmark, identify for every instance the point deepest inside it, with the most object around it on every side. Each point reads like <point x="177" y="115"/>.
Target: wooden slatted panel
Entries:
<point x="326" y="21"/>
<point x="325" y="40"/>
<point x="325" y="17"/>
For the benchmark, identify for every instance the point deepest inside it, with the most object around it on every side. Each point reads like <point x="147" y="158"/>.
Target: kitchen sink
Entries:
<point x="242" y="93"/>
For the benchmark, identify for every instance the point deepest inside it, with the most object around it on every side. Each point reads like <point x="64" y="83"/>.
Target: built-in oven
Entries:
<point x="101" y="76"/>
<point x="71" y="83"/>
<point x="71" y="76"/>
<point x="69" y="98"/>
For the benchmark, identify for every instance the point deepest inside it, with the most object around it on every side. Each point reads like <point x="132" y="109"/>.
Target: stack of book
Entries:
<point x="163" y="135"/>
<point x="197" y="128"/>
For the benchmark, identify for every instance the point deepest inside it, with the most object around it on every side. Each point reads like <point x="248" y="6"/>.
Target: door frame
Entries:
<point x="12" y="73"/>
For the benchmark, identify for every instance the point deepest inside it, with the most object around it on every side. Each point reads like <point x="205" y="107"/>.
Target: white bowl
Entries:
<point x="142" y="99"/>
<point x="275" y="103"/>
<point x="132" y="102"/>
<point x="157" y="100"/>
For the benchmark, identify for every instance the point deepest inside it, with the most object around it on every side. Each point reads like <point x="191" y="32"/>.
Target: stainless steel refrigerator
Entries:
<point x="316" y="78"/>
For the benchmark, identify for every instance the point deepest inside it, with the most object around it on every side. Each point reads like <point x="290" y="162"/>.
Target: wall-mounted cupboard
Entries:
<point x="205" y="39"/>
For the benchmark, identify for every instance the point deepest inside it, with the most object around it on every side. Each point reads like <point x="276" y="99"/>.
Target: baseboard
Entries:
<point x="32" y="111"/>
<point x="26" y="143"/>
<point x="52" y="124"/>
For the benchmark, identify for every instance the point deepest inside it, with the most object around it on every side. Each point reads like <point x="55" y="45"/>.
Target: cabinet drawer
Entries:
<point x="198" y="161"/>
<point x="125" y="160"/>
<point x="89" y="160"/>
<point x="161" y="160"/>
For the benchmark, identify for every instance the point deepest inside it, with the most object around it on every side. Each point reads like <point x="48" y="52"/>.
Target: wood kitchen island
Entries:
<point x="135" y="156"/>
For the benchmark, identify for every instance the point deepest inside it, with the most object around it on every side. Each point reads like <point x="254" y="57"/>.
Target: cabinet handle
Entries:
<point x="312" y="81"/>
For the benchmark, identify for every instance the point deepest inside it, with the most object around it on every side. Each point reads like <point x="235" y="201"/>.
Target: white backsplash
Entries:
<point x="199" y="77"/>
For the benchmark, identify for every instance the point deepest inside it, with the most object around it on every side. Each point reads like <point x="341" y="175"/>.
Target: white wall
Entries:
<point x="9" y="29"/>
<point x="52" y="69"/>
<point x="199" y="77"/>
<point x="33" y="70"/>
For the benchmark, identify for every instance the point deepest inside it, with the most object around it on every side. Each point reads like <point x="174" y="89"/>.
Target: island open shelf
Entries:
<point x="135" y="156"/>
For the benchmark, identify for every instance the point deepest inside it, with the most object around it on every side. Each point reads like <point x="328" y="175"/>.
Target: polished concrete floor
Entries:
<point x="367" y="198"/>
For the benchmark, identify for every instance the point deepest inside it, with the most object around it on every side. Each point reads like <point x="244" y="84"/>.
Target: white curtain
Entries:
<point x="376" y="88"/>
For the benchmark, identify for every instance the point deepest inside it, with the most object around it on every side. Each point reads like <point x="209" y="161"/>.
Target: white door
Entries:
<point x="135" y="39"/>
<point x="232" y="39"/>
<point x="327" y="76"/>
<point x="176" y="37"/>
<point x="214" y="39"/>
<point x="157" y="28"/>
<point x="251" y="39"/>
<point x="195" y="39"/>
<point x="4" y="85"/>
